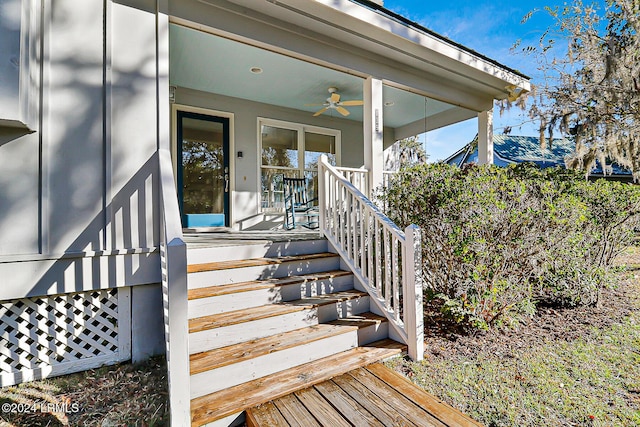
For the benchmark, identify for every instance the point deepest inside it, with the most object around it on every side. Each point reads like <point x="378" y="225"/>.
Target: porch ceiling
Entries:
<point x="210" y="63"/>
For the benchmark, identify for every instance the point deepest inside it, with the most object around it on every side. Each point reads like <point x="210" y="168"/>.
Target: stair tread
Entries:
<point x="270" y="310"/>
<point x="217" y="405"/>
<point x="219" y="357"/>
<point x="254" y="262"/>
<point x="361" y="320"/>
<point x="231" y="288"/>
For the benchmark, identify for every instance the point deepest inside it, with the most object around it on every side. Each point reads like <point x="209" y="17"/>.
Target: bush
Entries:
<point x="499" y="241"/>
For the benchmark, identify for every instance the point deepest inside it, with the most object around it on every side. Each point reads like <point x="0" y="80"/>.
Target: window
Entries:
<point x="289" y="149"/>
<point x="19" y="29"/>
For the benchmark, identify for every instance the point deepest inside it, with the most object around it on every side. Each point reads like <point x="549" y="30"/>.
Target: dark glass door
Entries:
<point x="203" y="170"/>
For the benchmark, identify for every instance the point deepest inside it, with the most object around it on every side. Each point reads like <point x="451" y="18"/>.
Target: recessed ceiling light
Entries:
<point x="255" y="70"/>
<point x="389" y="104"/>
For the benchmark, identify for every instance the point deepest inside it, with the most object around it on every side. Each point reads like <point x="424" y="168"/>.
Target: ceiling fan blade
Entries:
<point x="352" y="103"/>
<point x="342" y="111"/>
<point x="335" y="97"/>
<point x="320" y="112"/>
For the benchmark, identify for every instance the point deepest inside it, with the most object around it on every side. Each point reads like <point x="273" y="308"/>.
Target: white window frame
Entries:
<point x="301" y="129"/>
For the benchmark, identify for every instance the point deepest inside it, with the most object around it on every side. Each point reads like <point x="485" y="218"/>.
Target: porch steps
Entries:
<point x="269" y="325"/>
<point x="218" y="405"/>
<point x="225" y="367"/>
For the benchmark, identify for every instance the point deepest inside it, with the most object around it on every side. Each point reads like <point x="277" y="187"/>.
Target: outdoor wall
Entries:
<point x="245" y="203"/>
<point x="78" y="195"/>
<point x="79" y="220"/>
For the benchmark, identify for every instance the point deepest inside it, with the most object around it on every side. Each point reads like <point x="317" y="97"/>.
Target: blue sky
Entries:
<point x="490" y="28"/>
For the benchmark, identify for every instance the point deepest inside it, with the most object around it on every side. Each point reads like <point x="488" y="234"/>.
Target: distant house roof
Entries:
<point x="509" y="149"/>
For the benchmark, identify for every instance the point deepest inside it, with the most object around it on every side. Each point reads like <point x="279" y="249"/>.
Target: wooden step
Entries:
<point x="217" y="358"/>
<point x="256" y="262"/>
<point x="241" y="296"/>
<point x="360" y="320"/>
<point x="232" y="288"/>
<point x="270" y="310"/>
<point x="217" y="405"/>
<point x="371" y="326"/>
<point x="225" y="272"/>
<point x="229" y="366"/>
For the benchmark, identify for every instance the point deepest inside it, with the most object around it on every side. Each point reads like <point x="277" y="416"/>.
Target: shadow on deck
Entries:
<point x="369" y="396"/>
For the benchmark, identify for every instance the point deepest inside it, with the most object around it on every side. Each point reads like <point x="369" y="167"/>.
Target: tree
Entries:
<point x="406" y="152"/>
<point x="591" y="86"/>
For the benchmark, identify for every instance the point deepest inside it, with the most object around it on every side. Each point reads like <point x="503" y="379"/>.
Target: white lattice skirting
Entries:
<point x="61" y="334"/>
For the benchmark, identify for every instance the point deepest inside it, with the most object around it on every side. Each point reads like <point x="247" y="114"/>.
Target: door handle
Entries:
<point x="226" y="179"/>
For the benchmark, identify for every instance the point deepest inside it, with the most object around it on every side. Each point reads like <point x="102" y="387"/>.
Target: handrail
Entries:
<point x="385" y="260"/>
<point x="173" y="256"/>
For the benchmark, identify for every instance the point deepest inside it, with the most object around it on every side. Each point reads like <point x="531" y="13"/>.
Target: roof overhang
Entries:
<point x="350" y="38"/>
<point x="373" y="31"/>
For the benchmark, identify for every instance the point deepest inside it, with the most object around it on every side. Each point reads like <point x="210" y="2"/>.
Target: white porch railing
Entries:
<point x="173" y="258"/>
<point x="386" y="176"/>
<point x="385" y="260"/>
<point x="358" y="177"/>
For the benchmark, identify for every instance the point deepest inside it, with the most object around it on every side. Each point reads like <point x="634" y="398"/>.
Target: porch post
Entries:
<point x="485" y="137"/>
<point x="373" y="132"/>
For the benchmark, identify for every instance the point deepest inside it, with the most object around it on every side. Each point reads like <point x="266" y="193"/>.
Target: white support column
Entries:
<point x="373" y="132"/>
<point x="485" y="137"/>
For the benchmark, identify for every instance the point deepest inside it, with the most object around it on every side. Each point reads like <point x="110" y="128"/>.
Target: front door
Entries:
<point x="203" y="169"/>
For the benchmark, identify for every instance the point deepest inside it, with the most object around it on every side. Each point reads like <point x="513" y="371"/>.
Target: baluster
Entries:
<point x="387" y="269"/>
<point x="341" y="208"/>
<point x="379" y="257"/>
<point x="396" y="282"/>
<point x="334" y="205"/>
<point x="363" y="252"/>
<point x="354" y="230"/>
<point x="370" y="254"/>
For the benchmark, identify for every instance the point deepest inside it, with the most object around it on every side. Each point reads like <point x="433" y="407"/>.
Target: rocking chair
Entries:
<point x="297" y="205"/>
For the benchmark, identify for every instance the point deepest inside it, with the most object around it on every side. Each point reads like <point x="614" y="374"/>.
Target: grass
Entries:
<point x="120" y="395"/>
<point x="592" y="380"/>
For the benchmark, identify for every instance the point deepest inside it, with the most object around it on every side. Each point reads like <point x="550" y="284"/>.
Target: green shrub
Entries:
<point x="499" y="241"/>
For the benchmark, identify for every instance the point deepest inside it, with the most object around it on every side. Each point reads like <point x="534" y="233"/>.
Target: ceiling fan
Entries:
<point x="333" y="103"/>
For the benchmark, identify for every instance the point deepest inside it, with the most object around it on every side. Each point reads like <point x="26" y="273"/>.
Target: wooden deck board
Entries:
<point x="396" y="399"/>
<point x="348" y="407"/>
<point x="254" y="262"/>
<point x="296" y="414"/>
<point x="438" y="408"/>
<point x="380" y="409"/>
<point x="320" y="408"/>
<point x="372" y="396"/>
<point x="266" y="414"/>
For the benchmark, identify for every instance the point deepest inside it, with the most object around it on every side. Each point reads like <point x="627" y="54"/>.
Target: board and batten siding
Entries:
<point x="78" y="195"/>
<point x="79" y="220"/>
